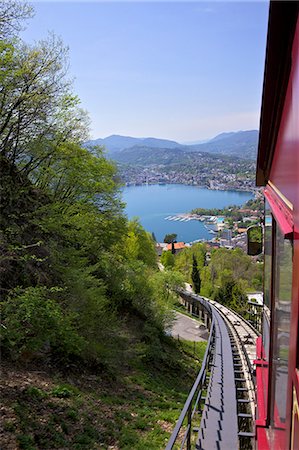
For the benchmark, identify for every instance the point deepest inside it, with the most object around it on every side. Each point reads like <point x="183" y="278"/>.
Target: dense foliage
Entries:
<point x="167" y="259"/>
<point x="170" y="238"/>
<point x="72" y="266"/>
<point x="195" y="276"/>
<point x="222" y="274"/>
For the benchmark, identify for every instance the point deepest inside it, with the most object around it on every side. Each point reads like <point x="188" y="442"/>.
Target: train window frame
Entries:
<point x="271" y="331"/>
<point x="267" y="304"/>
<point x="280" y="317"/>
<point x="282" y="223"/>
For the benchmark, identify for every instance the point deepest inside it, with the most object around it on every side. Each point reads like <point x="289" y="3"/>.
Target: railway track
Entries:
<point x="227" y="416"/>
<point x="245" y="337"/>
<point x="246" y="333"/>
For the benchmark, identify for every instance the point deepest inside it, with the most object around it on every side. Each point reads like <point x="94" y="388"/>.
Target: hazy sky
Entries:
<point x="178" y="70"/>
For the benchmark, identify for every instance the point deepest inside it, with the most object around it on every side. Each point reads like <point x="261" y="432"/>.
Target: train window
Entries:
<point x="281" y="327"/>
<point x="268" y="255"/>
<point x="268" y="232"/>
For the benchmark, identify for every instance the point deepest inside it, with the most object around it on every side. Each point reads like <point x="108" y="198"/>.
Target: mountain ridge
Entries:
<point x="241" y="144"/>
<point x="116" y="143"/>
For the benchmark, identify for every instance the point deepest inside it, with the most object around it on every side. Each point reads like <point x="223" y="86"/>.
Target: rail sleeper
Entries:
<point x="221" y="424"/>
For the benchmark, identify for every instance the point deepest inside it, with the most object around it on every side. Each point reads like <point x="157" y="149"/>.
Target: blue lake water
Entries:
<point x="155" y="202"/>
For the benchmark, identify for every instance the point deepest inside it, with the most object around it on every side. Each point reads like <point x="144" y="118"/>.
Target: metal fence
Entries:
<point x="192" y="406"/>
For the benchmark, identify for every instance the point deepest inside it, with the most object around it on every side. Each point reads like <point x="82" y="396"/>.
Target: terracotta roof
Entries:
<point x="177" y="246"/>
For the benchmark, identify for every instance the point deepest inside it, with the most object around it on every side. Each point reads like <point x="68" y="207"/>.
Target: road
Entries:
<point x="187" y="328"/>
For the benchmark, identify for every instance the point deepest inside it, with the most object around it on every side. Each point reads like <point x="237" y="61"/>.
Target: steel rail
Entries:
<point x="243" y="354"/>
<point x="247" y="327"/>
<point x="214" y="303"/>
<point x="247" y="427"/>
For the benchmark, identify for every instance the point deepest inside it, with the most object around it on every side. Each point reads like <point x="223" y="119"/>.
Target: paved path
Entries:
<point x="187" y="328"/>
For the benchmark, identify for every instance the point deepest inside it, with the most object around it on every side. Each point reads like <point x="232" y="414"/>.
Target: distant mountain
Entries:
<point x="242" y="144"/>
<point x="166" y="157"/>
<point x="159" y="143"/>
<point x="149" y="155"/>
<point x="201" y="141"/>
<point x="223" y="136"/>
<point x="116" y="143"/>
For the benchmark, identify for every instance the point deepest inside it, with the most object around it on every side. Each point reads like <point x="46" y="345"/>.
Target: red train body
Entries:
<point x="277" y="364"/>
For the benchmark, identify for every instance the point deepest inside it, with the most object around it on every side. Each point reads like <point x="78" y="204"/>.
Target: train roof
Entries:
<point x="281" y="29"/>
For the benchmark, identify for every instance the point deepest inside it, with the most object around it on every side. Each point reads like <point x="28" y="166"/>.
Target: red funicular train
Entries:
<point x="277" y="364"/>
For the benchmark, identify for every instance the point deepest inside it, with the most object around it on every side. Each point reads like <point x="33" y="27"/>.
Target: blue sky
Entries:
<point x="178" y="70"/>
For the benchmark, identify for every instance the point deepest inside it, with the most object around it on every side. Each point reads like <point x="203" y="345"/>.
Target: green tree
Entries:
<point x="207" y="288"/>
<point x="232" y="294"/>
<point x="164" y="285"/>
<point x="224" y="293"/>
<point x="195" y="276"/>
<point x="140" y="245"/>
<point x="239" y="300"/>
<point x="238" y="264"/>
<point x="38" y="111"/>
<point x="184" y="259"/>
<point x="167" y="259"/>
<point x="169" y="238"/>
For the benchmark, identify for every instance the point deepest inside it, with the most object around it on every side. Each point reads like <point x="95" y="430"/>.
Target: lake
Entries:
<point x="153" y="203"/>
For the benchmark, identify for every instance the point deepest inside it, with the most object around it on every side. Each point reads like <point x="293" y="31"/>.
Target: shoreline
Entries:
<point x="252" y="191"/>
<point x="165" y="208"/>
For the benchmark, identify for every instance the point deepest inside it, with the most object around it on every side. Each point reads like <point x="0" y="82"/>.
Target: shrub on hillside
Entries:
<point x="167" y="259"/>
<point x="34" y="324"/>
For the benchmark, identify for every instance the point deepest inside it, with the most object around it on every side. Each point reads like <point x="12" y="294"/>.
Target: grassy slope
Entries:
<point x="133" y="406"/>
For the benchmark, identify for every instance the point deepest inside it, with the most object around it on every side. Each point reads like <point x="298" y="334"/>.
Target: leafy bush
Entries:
<point x="35" y="393"/>
<point x="231" y="294"/>
<point x="167" y="259"/>
<point x="62" y="392"/>
<point x="34" y="324"/>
